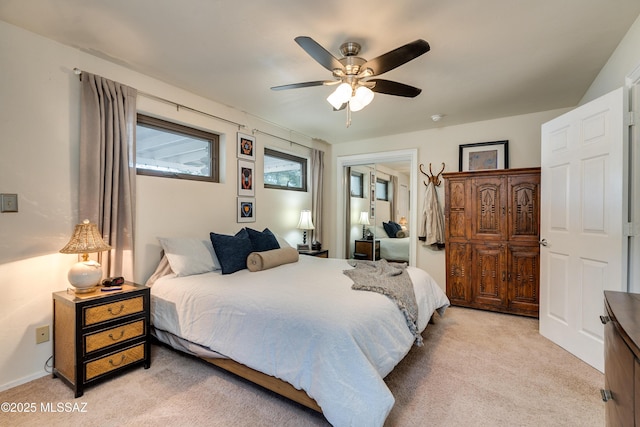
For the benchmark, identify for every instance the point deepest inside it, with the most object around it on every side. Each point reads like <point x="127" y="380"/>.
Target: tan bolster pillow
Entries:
<point x="257" y="261"/>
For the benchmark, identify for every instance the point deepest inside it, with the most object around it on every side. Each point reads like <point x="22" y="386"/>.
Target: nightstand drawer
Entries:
<point x="113" y="336"/>
<point x="114" y="310"/>
<point x="114" y="361"/>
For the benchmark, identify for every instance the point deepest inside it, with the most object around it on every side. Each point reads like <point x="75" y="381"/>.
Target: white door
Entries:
<point x="583" y="209"/>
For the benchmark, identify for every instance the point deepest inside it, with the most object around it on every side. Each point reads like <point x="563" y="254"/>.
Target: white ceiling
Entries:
<point x="488" y="59"/>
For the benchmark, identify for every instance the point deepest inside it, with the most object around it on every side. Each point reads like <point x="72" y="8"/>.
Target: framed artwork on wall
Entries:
<point x="246" y="181"/>
<point x="246" y="146"/>
<point x="484" y="156"/>
<point x="246" y="209"/>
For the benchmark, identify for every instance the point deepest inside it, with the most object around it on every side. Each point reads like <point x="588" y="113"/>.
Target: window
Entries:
<point x="284" y="171"/>
<point x="357" y="186"/>
<point x="382" y="189"/>
<point x="175" y="151"/>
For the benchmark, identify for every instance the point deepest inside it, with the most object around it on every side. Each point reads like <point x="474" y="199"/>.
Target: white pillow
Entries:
<point x="189" y="256"/>
<point x="281" y="241"/>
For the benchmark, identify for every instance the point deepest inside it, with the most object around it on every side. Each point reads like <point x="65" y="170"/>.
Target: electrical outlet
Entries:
<point x="42" y="334"/>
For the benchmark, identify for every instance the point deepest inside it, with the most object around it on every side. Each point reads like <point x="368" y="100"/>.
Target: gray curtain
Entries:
<point x="394" y="198"/>
<point x="317" y="185"/>
<point x="108" y="167"/>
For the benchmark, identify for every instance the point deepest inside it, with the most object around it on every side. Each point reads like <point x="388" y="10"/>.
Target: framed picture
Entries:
<point x="246" y="173"/>
<point x="484" y="155"/>
<point x="246" y="209"/>
<point x="246" y="146"/>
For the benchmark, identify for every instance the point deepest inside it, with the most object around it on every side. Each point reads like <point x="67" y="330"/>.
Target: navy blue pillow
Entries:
<point x="262" y="240"/>
<point x="390" y="229"/>
<point x="232" y="251"/>
<point x="397" y="226"/>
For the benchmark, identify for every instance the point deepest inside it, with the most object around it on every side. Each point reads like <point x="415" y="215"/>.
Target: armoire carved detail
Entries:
<point x="492" y="222"/>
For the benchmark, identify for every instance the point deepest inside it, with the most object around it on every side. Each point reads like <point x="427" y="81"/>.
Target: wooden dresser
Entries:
<point x="492" y="229"/>
<point x="98" y="334"/>
<point x="622" y="359"/>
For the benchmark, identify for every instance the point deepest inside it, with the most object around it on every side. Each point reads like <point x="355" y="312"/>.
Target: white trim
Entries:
<point x="23" y="380"/>
<point x="410" y="155"/>
<point x="632" y="133"/>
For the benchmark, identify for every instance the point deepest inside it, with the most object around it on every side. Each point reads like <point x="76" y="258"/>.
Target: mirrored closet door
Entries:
<point x="377" y="209"/>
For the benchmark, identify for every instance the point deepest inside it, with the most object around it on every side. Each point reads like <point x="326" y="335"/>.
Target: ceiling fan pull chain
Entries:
<point x="348" y="115"/>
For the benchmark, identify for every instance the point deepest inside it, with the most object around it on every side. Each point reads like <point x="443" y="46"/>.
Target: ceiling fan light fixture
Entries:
<point x="364" y="95"/>
<point x="361" y="98"/>
<point x="339" y="96"/>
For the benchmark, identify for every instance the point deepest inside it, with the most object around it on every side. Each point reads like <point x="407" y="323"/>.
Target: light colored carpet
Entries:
<point x="476" y="369"/>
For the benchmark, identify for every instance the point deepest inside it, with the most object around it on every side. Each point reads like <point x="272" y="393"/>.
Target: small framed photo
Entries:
<point x="246" y="209"/>
<point x="246" y="181"/>
<point x="246" y="147"/>
<point x="484" y="156"/>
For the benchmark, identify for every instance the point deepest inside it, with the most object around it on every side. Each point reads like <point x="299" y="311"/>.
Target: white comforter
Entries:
<point x="304" y="324"/>
<point x="395" y="249"/>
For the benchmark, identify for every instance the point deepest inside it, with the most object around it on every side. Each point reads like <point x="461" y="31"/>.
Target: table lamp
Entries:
<point x="85" y="275"/>
<point x="305" y="224"/>
<point x="364" y="220"/>
<point x="403" y="222"/>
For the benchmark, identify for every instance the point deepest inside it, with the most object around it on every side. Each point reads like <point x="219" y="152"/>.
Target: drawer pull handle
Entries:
<point x="606" y="395"/>
<point x="119" y="311"/>
<point x="120" y="337"/>
<point x="605" y="319"/>
<point x="119" y="363"/>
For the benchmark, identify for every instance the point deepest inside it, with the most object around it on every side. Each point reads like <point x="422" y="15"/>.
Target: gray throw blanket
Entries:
<point x="392" y="280"/>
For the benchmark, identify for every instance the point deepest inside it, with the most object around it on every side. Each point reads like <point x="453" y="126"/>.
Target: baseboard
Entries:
<point x="24" y="380"/>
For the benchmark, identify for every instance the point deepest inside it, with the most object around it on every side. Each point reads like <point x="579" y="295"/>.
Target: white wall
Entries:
<point x="39" y="124"/>
<point x="441" y="145"/>
<point x="624" y="59"/>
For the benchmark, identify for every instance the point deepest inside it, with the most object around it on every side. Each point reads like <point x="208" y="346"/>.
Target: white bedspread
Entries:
<point x="304" y="324"/>
<point x="394" y="249"/>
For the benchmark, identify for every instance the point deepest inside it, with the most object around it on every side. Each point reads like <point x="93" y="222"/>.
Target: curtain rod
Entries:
<point x="78" y="72"/>
<point x="280" y="138"/>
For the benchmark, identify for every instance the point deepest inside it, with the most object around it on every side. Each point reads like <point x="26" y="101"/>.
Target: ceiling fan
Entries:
<point x="353" y="74"/>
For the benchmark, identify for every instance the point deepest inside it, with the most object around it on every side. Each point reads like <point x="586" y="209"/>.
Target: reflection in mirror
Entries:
<point x="377" y="208"/>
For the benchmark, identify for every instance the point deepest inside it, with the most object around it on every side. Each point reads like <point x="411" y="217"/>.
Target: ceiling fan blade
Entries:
<point x="394" y="88"/>
<point x="320" y="54"/>
<point x="397" y="57"/>
<point x="305" y="84"/>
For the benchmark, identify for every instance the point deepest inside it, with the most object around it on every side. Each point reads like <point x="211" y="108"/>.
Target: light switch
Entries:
<point x="8" y="202"/>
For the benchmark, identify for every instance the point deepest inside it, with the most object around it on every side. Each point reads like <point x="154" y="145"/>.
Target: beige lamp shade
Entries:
<point x="364" y="218"/>
<point x="86" y="239"/>
<point x="305" y="224"/>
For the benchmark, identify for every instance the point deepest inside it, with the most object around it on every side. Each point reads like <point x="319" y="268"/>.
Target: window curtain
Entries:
<point x="317" y="185"/>
<point x="108" y="167"/>
<point x="394" y="198"/>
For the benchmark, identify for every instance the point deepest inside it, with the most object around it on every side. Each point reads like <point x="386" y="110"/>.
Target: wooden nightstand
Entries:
<point x="364" y="249"/>
<point x="98" y="334"/>
<point x="316" y="253"/>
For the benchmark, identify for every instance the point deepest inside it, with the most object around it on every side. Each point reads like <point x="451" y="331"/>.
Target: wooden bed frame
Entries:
<point x="274" y="384"/>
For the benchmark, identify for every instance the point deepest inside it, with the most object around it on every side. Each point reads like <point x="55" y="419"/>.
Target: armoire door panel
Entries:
<point x="489" y="275"/>
<point x="524" y="278"/>
<point x="489" y="209"/>
<point x="524" y="207"/>
<point x="458" y="273"/>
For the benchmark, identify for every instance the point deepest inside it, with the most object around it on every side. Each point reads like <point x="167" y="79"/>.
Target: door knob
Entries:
<point x="544" y="242"/>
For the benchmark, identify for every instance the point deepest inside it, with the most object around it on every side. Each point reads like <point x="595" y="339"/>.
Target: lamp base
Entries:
<point x="84" y="290"/>
<point x="85" y="276"/>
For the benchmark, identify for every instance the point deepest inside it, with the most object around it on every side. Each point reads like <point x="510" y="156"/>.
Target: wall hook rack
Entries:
<point x="435" y="179"/>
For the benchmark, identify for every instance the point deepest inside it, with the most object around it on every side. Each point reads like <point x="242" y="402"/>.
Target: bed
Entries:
<point x="298" y="329"/>
<point x="392" y="248"/>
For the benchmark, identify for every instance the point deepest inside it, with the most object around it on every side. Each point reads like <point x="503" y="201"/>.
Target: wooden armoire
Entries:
<point x="492" y="222"/>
